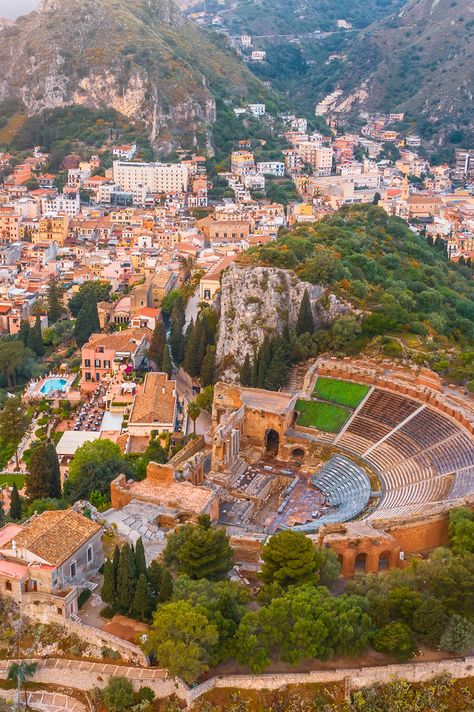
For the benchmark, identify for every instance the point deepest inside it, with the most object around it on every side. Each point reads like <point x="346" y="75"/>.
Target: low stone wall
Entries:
<point x="95" y="636"/>
<point x="84" y="675"/>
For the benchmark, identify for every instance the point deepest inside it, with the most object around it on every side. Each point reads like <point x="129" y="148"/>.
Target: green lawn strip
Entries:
<point x="323" y="416"/>
<point x="340" y="392"/>
<point x="10" y="479"/>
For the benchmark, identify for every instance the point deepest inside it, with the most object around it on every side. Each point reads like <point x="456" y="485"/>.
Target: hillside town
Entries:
<point x="236" y="395"/>
<point x="137" y="223"/>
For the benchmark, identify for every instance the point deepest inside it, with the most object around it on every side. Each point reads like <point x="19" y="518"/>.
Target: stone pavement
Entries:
<point x="46" y="701"/>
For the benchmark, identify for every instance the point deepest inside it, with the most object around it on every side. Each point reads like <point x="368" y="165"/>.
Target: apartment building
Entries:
<point x="138" y="179"/>
<point x="9" y="225"/>
<point x="70" y="204"/>
<point x="51" y="228"/>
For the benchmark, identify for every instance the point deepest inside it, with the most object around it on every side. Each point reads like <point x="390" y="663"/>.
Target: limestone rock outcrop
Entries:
<point x="260" y="301"/>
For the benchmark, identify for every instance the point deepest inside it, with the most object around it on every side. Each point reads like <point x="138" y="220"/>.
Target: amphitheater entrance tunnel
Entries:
<point x="384" y="561"/>
<point x="272" y="442"/>
<point x="298" y="454"/>
<point x="360" y="563"/>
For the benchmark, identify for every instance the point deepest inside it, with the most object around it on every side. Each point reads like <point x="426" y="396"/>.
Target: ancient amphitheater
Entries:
<point x="376" y="489"/>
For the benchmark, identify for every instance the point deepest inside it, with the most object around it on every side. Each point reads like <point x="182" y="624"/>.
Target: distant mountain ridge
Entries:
<point x="420" y="61"/>
<point x="142" y="58"/>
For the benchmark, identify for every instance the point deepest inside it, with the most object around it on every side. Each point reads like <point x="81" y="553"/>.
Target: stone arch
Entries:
<point x="360" y="562"/>
<point x="298" y="453"/>
<point x="272" y="442"/>
<point x="385" y="558"/>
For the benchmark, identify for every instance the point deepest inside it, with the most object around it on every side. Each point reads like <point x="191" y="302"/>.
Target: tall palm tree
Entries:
<point x="194" y="411"/>
<point x="18" y="673"/>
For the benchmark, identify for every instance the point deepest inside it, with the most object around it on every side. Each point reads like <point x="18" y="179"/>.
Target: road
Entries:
<point x="191" y="310"/>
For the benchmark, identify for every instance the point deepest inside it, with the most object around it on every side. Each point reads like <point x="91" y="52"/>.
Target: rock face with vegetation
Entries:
<point x="142" y="58"/>
<point x="418" y="61"/>
<point x="263" y="301"/>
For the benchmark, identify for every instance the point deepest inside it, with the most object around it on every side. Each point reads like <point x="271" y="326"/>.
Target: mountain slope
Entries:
<point x="142" y="58"/>
<point x="421" y="62"/>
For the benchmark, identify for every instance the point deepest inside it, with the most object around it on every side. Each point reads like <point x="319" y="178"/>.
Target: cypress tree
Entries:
<point x="115" y="565"/>
<point x="208" y="367"/>
<point x="142" y="603"/>
<point x="15" y="503"/>
<point x="246" y="372"/>
<point x="157" y="345"/>
<point x="55" y="472"/>
<point x="87" y="322"/>
<point x="160" y="581"/>
<point x="24" y="332"/>
<point x="126" y="579"/>
<point x="305" y="323"/>
<point x="166" y="365"/>
<point x="178" y="320"/>
<point x="189" y="363"/>
<point x="255" y="366"/>
<point x="35" y="338"/>
<point x="140" y="561"/>
<point x="264" y="358"/>
<point x="108" y="587"/>
<point x="201" y="351"/>
<point x="54" y="298"/>
<point x="43" y="478"/>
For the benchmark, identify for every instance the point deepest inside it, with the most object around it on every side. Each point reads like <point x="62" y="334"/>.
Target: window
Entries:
<point x="87" y="362"/>
<point x="8" y="586"/>
<point x="73" y="569"/>
<point x="90" y="554"/>
<point x="88" y="376"/>
<point x="59" y="611"/>
<point x="100" y="350"/>
<point x="106" y="364"/>
<point x="97" y="376"/>
<point x="97" y="363"/>
<point x="207" y="294"/>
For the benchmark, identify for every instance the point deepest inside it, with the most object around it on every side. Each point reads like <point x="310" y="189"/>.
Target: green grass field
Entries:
<point x="340" y="392"/>
<point x="323" y="416"/>
<point x="10" y="479"/>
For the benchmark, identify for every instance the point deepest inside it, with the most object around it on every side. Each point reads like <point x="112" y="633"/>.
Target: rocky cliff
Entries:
<point x="140" y="57"/>
<point x="260" y="301"/>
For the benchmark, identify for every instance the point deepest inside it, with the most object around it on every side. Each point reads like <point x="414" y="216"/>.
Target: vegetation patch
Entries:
<point x="340" y="392"/>
<point x="323" y="416"/>
<point x="10" y="480"/>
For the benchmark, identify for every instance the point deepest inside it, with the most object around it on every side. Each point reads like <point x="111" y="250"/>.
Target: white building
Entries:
<point x="137" y="178"/>
<point x="125" y="152"/>
<point x="246" y="41"/>
<point x="258" y="55"/>
<point x="257" y="109"/>
<point x="273" y="168"/>
<point x="69" y="204"/>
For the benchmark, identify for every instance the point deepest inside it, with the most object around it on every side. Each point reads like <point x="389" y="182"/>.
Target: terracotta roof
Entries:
<point x="157" y="402"/>
<point x="126" y="340"/>
<point x="55" y="536"/>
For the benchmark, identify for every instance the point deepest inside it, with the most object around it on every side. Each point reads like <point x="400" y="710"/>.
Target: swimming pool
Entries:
<point x="53" y="384"/>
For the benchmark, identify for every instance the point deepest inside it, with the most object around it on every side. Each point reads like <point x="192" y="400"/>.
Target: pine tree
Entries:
<point x="35" y="338"/>
<point x="126" y="579"/>
<point x="208" y="368"/>
<point x="140" y="561"/>
<point x="255" y="367"/>
<point x="15" y="503"/>
<point x="157" y="345"/>
<point x="305" y="322"/>
<point x="246" y="372"/>
<point x="108" y="592"/>
<point x="43" y="480"/>
<point x="54" y="294"/>
<point x="142" y="600"/>
<point x="166" y="365"/>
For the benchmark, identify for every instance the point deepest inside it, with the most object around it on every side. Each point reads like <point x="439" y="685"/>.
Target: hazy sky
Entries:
<point x="13" y="8"/>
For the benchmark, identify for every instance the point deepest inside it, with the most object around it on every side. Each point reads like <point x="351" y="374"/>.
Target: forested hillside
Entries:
<point x="410" y="301"/>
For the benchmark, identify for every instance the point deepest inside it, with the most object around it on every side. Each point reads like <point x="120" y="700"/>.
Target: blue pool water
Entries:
<point x="53" y="384"/>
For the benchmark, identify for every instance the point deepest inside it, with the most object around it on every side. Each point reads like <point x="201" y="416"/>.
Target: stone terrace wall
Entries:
<point x="97" y="637"/>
